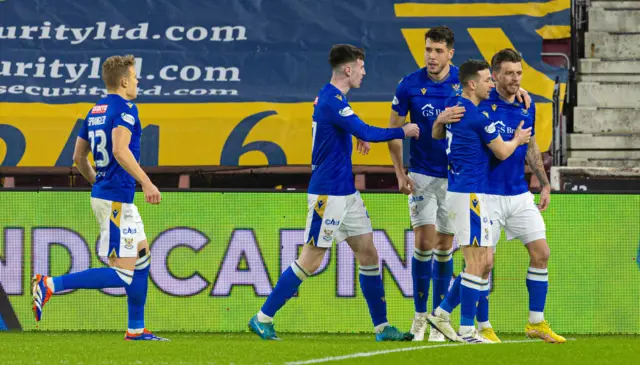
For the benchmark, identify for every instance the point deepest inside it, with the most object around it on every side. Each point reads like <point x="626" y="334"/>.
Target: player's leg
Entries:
<point x="109" y="215"/>
<point x="373" y="289"/>
<point x="423" y="205"/>
<point x="526" y="224"/>
<point x="469" y="215"/>
<point x="442" y="270"/>
<point x="356" y="229"/>
<point x="133" y="230"/>
<point x="323" y="219"/>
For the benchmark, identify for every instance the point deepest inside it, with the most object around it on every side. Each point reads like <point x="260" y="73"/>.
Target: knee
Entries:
<point x="540" y="254"/>
<point x="423" y="241"/>
<point x="368" y="256"/>
<point x="444" y="242"/>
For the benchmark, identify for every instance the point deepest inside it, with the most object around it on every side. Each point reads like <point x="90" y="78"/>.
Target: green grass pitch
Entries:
<point x="299" y="349"/>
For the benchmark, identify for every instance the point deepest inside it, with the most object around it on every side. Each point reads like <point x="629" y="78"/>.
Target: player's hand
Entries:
<point x="151" y="194"/>
<point x="411" y="130"/>
<point x="545" y="197"/>
<point x="405" y="184"/>
<point x="523" y="96"/>
<point x="363" y="147"/>
<point x="451" y="115"/>
<point x="522" y="135"/>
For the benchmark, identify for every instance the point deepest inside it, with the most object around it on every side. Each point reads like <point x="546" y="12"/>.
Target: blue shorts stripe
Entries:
<point x="314" y="230"/>
<point x="475" y="229"/>
<point x="114" y="240"/>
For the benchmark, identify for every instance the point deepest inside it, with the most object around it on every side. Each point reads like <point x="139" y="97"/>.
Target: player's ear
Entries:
<point x="451" y="52"/>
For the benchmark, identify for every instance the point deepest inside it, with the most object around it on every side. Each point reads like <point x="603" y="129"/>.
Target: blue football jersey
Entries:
<point x="112" y="181"/>
<point x="507" y="177"/>
<point x="334" y="123"/>
<point x="423" y="99"/>
<point x="466" y="148"/>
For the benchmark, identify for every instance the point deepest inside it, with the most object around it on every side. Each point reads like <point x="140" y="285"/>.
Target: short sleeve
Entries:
<point x="486" y="128"/>
<point x="84" y="131"/>
<point x="127" y="118"/>
<point x="401" y="100"/>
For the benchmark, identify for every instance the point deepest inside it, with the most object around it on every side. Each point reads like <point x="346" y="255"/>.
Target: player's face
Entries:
<point x="509" y="77"/>
<point x="484" y="84"/>
<point x="131" y="84"/>
<point x="356" y="72"/>
<point x="436" y="56"/>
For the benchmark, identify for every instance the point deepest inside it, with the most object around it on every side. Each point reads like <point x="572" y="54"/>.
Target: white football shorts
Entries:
<point x="469" y="216"/>
<point x="518" y="215"/>
<point x="121" y="228"/>
<point x="427" y="202"/>
<point x="335" y="218"/>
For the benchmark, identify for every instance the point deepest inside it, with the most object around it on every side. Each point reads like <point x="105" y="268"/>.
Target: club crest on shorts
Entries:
<point x="328" y="234"/>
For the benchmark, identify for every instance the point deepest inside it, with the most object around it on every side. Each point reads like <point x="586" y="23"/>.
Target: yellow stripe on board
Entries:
<point x="554" y="31"/>
<point x="534" y="9"/>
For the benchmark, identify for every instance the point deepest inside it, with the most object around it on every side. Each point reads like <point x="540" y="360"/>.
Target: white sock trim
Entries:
<point x="300" y="271"/>
<point x="473" y="282"/>
<point x="135" y="331"/>
<point x="143" y="262"/>
<point x="263" y="318"/>
<point x="423" y="256"/>
<point x="50" y="284"/>
<point x="125" y="275"/>
<point x="483" y="325"/>
<point x="442" y="255"/>
<point x="537" y="274"/>
<point x="536" y="317"/>
<point x="370" y="270"/>
<point x="379" y="328"/>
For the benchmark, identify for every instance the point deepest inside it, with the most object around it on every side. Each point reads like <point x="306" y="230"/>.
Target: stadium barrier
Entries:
<point x="216" y="255"/>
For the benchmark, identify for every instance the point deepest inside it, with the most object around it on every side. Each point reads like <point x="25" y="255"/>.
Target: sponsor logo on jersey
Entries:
<point x="332" y="222"/>
<point x="494" y="107"/>
<point x="339" y="97"/>
<point x="346" y="111"/>
<point x="128" y="118"/>
<point x="491" y="128"/>
<point x="423" y="90"/>
<point x="99" y="109"/>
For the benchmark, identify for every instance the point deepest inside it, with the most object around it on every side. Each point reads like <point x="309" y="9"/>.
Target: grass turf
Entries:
<point x="198" y="348"/>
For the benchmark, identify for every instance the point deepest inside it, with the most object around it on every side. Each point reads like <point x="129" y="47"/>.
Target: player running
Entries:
<point x="336" y="211"/>
<point x="512" y="206"/>
<point x="111" y="132"/>
<point x="423" y="94"/>
<point x="466" y="147"/>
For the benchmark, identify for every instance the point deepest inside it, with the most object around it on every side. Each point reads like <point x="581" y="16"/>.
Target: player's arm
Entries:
<point x="81" y="158"/>
<point x="448" y="116"/>
<point x="351" y="123"/>
<point x="121" y="136"/>
<point x="501" y="149"/>
<point x="534" y="160"/>
<point x="395" y="146"/>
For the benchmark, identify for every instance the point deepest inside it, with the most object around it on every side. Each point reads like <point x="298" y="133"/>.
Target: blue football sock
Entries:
<point x="470" y="288"/>
<point x="452" y="299"/>
<point x="537" y="285"/>
<point x="137" y="293"/>
<point x="442" y="273"/>
<point x="100" y="278"/>
<point x="286" y="288"/>
<point x="482" y="314"/>
<point x="373" y="290"/>
<point x="421" y="275"/>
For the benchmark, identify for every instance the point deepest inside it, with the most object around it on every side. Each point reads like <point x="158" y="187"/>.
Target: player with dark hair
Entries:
<point x="336" y="211"/>
<point x="469" y="143"/>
